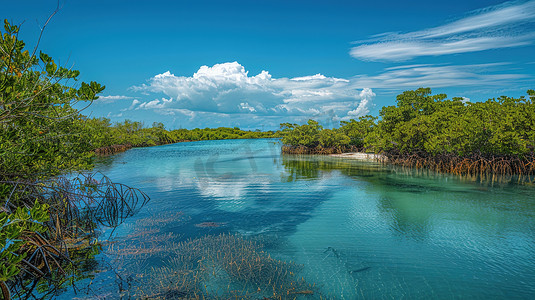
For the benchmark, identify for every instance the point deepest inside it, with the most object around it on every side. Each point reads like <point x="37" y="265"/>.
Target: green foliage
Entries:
<point x="357" y="131"/>
<point x="13" y="229"/>
<point x="305" y="135"/>
<point x="37" y="117"/>
<point x="314" y="135"/>
<point x="101" y="133"/>
<point x="333" y="138"/>
<point x="422" y="123"/>
<point x="41" y="135"/>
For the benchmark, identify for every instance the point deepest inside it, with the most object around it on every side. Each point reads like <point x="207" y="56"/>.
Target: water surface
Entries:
<point x="356" y="229"/>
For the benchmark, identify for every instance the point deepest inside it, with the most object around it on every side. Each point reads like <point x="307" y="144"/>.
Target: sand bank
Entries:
<point x="362" y="156"/>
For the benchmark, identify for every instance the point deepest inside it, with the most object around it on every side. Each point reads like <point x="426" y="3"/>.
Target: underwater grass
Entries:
<point x="151" y="263"/>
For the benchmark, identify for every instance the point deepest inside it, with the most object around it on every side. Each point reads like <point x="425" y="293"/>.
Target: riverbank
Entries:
<point x="362" y="156"/>
<point x="460" y="165"/>
<point x="300" y="149"/>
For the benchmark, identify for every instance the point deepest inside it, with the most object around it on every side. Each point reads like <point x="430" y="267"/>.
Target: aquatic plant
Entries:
<point x="225" y="266"/>
<point x="67" y="234"/>
<point x="43" y="135"/>
<point x="153" y="263"/>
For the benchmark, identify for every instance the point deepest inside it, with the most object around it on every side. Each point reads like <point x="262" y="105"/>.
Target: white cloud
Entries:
<point x="404" y="50"/>
<point x="363" y="108"/>
<point x="112" y="115"/>
<point x="225" y="94"/>
<point x="435" y="76"/>
<point x="228" y="89"/>
<point x="111" y="99"/>
<point x="134" y="103"/>
<point x="504" y="26"/>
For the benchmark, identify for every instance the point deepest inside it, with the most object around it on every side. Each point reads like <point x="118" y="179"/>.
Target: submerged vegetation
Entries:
<point x="155" y="264"/>
<point x="423" y="130"/>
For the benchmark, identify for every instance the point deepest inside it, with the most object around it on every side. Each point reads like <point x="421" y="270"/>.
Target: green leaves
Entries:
<point x="89" y="91"/>
<point x="38" y="133"/>
<point x="432" y="125"/>
<point x="305" y="135"/>
<point x="13" y="229"/>
<point x="358" y="130"/>
<point x="45" y="58"/>
<point x="10" y="29"/>
<point x="333" y="138"/>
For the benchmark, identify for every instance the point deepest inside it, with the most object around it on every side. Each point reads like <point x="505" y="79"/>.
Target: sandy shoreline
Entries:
<point x="361" y="156"/>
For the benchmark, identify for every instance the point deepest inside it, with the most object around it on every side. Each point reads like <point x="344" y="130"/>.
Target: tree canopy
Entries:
<point x="39" y="124"/>
<point x="431" y="127"/>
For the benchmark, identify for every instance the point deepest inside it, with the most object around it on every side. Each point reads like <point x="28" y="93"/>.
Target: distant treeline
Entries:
<point x="425" y="130"/>
<point x="106" y="138"/>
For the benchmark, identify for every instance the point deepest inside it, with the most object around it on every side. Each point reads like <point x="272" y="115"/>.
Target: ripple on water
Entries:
<point x="359" y="229"/>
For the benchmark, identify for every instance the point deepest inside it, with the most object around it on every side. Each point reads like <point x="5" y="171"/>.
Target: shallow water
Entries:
<point x="357" y="229"/>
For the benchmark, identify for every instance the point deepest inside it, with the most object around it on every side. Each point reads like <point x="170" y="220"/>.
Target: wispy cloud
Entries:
<point x="435" y="76"/>
<point x="504" y="26"/>
<point x="112" y="98"/>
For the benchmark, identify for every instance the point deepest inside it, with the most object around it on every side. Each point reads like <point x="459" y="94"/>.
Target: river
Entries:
<point x="339" y="228"/>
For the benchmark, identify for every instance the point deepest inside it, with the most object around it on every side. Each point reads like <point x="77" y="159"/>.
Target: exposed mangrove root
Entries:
<point x="474" y="164"/>
<point x="76" y="208"/>
<point x="113" y="149"/>
<point x="6" y="295"/>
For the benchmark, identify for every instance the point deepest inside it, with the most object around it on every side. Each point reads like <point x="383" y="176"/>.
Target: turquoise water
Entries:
<point x="358" y="230"/>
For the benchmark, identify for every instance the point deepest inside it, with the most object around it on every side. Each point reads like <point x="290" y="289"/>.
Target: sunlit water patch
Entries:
<point x="237" y="218"/>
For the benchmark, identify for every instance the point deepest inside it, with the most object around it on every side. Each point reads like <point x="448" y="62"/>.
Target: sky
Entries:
<point x="256" y="64"/>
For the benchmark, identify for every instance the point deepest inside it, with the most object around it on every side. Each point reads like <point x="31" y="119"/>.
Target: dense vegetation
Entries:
<point x="428" y="130"/>
<point x="47" y="222"/>
<point x="106" y="138"/>
<point x="38" y="139"/>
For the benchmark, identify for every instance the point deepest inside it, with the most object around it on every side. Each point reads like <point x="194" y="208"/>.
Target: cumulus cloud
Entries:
<point x="363" y="108"/>
<point x="504" y="26"/>
<point x="228" y="89"/>
<point x="226" y="95"/>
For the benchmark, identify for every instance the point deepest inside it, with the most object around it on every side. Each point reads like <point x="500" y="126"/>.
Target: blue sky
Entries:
<point x="255" y="64"/>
